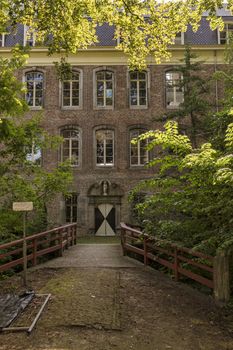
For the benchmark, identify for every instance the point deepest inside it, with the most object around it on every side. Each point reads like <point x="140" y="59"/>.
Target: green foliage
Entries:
<point x="190" y="200"/>
<point x="147" y="28"/>
<point x="195" y="89"/>
<point x="20" y="178"/>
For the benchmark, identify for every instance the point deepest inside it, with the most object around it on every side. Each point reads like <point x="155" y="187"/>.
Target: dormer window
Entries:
<point x="29" y="36"/>
<point x="179" y="39"/>
<point x="2" y="40"/>
<point x="223" y="36"/>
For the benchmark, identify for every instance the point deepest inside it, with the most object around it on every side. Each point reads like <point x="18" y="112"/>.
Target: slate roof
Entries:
<point x="105" y="33"/>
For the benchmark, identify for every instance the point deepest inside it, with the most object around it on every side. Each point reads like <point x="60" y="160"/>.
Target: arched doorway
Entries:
<point x="104" y="208"/>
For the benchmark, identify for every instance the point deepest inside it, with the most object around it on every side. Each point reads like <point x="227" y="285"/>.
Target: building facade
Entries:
<point x="99" y="110"/>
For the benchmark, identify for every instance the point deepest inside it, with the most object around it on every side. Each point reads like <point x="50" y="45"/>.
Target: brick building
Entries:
<point x="100" y="110"/>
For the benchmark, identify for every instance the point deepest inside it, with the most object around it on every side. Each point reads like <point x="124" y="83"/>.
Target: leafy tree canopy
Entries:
<point x="147" y="27"/>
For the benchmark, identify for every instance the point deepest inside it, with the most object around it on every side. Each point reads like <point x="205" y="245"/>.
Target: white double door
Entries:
<point x="105" y="220"/>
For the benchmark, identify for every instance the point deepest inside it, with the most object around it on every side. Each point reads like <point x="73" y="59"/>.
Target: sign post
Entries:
<point x="24" y="207"/>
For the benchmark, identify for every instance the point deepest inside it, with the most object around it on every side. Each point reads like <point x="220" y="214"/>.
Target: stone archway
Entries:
<point x="105" y="208"/>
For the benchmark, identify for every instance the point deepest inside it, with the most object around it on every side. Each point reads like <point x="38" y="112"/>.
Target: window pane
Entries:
<point x="75" y="85"/>
<point x="142" y="101"/>
<point x="133" y="75"/>
<point x="75" y="93"/>
<point x="66" y="85"/>
<point x="75" y="76"/>
<point x="66" y="101"/>
<point x="38" y="102"/>
<point x="75" y="102"/>
<point x="108" y="101"/>
<point x="142" y="75"/>
<point x="100" y="89"/>
<point x="100" y="76"/>
<point x="108" y="75"/>
<point x="100" y="101"/>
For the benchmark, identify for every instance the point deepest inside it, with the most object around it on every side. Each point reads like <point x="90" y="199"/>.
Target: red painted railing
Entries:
<point x="57" y="239"/>
<point x="180" y="260"/>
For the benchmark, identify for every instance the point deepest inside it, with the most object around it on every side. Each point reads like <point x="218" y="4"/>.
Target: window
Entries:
<point x="34" y="84"/>
<point x="71" y="204"/>
<point x="174" y="90"/>
<point x="138" y="89"/>
<point x="138" y="151"/>
<point x="104" y="147"/>
<point x="2" y="40"/>
<point x="179" y="39"/>
<point x="29" y="36"/>
<point x="223" y="37"/>
<point x="70" y="148"/>
<point x="34" y="154"/>
<point x="71" y="91"/>
<point x="104" y="89"/>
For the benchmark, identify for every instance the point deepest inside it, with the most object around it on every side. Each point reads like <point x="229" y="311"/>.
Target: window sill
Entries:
<point x="138" y="167"/>
<point x="103" y="108"/>
<point x="35" y="108"/>
<point x="172" y="107"/>
<point x="104" y="166"/>
<point x="138" y="107"/>
<point x="71" y="108"/>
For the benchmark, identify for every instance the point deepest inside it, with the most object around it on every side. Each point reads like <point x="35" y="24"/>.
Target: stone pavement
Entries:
<point x="93" y="255"/>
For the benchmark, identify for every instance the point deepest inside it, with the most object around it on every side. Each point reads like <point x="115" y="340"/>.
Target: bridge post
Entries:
<point x="221" y="277"/>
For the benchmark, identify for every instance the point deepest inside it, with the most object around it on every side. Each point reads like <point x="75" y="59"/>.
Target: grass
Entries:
<point x="91" y="239"/>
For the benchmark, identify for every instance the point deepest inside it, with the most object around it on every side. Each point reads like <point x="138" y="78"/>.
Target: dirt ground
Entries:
<point x="120" y="308"/>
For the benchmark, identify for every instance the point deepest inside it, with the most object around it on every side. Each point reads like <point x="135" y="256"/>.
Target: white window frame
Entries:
<point x="31" y="157"/>
<point x="80" y="91"/>
<point x="138" y="106"/>
<point x="105" y="106"/>
<point x="181" y="39"/>
<point x="70" y="139"/>
<point x="226" y="31"/>
<point x="104" y="164"/>
<point x="139" y="164"/>
<point x="175" y="105"/>
<point x="34" y="89"/>
<point x="2" y="41"/>
<point x="26" y="28"/>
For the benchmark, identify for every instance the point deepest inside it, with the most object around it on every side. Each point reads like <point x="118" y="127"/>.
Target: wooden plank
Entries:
<point x="133" y="249"/>
<point x="160" y="261"/>
<point x="197" y="264"/>
<point x="48" y="250"/>
<point x="195" y="277"/>
<point x="194" y="253"/>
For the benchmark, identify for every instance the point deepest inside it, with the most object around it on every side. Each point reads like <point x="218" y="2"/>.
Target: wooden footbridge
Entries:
<point x="212" y="272"/>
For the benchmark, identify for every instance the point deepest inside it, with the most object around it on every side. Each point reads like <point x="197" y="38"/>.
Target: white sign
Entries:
<point x="23" y="206"/>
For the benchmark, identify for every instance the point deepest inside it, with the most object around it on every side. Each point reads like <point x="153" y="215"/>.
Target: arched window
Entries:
<point x="35" y="86"/>
<point x="138" y="89"/>
<point x="138" y="151"/>
<point x="104" y="89"/>
<point x="71" y="91"/>
<point x="174" y="89"/>
<point x="104" y="147"/>
<point x="71" y="146"/>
